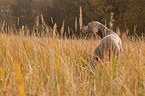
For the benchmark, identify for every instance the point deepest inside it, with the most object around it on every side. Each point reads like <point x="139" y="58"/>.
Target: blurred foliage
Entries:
<point x="23" y="10"/>
<point x="127" y="13"/>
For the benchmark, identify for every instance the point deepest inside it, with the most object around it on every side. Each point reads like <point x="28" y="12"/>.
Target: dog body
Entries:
<point x="110" y="44"/>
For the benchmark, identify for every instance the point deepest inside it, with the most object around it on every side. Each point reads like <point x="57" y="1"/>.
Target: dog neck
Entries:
<point x="104" y="31"/>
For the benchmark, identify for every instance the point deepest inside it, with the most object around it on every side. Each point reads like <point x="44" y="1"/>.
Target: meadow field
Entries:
<point x="48" y="66"/>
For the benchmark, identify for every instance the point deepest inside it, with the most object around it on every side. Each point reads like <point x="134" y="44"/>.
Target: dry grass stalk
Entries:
<point x="69" y="32"/>
<point x="43" y="22"/>
<point x="73" y="34"/>
<point x="20" y="79"/>
<point x="54" y="30"/>
<point x="37" y="21"/>
<point x="127" y="32"/>
<point x="48" y="30"/>
<point x="52" y="20"/>
<point x="22" y="31"/>
<point x="76" y="25"/>
<point x="33" y="33"/>
<point x="81" y="18"/>
<point x="111" y="20"/>
<point x="36" y="26"/>
<point x="65" y="36"/>
<point x="43" y="29"/>
<point x="2" y="28"/>
<point x="27" y="31"/>
<point x="9" y="31"/>
<point x="62" y="29"/>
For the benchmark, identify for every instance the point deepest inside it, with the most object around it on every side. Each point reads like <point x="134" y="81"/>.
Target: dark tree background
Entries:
<point x="127" y="13"/>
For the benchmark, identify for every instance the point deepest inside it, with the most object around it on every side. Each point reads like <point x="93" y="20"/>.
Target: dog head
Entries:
<point x="92" y="27"/>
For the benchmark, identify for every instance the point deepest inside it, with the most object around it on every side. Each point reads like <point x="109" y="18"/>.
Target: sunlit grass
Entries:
<point x="45" y="66"/>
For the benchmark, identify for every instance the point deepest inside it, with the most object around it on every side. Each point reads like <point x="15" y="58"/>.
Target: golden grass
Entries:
<point x="46" y="66"/>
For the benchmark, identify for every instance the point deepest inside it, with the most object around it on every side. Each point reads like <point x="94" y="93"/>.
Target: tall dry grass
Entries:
<point x="44" y="66"/>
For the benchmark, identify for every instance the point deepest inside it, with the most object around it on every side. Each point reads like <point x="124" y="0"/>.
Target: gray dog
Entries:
<point x="110" y="44"/>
